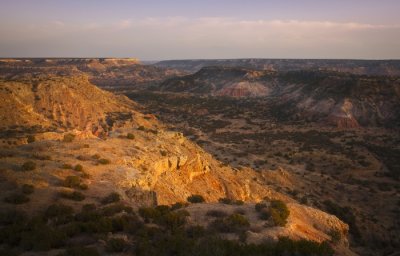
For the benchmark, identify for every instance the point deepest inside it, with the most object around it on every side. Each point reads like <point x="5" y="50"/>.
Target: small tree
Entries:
<point x="111" y="198"/>
<point x="31" y="139"/>
<point x="72" y="181"/>
<point x="78" y="168"/>
<point x="69" y="137"/>
<point x="279" y="212"/>
<point x="259" y="206"/>
<point x="28" y="166"/>
<point x="104" y="161"/>
<point x="336" y="236"/>
<point x="194" y="199"/>
<point x="75" y="195"/>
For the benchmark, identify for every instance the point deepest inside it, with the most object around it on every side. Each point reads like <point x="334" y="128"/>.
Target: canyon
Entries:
<point x="324" y="141"/>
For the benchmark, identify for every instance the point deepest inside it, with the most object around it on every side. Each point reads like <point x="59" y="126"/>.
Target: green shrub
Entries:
<point x="41" y="157"/>
<point x="71" y="228"/>
<point x="88" y="213"/>
<point x="69" y="137"/>
<point x="28" y="166"/>
<point x="233" y="223"/>
<point x="259" y="206"/>
<point x="59" y="213"/>
<point x="279" y="212"/>
<point x="264" y="214"/>
<point x="130" y="136"/>
<point x="163" y="152"/>
<point x="125" y="222"/>
<point x="173" y="220"/>
<point x="41" y="237"/>
<point x="27" y="189"/>
<point x="100" y="225"/>
<point x="163" y="216"/>
<point x="111" y="198"/>
<point x="240" y="211"/>
<point x="113" y="209"/>
<point x="78" y="168"/>
<point x="66" y="166"/>
<point x="31" y="138"/>
<point x="302" y="247"/>
<point x="225" y="201"/>
<point x="57" y="210"/>
<point x="148" y="213"/>
<point x="216" y="213"/>
<point x="195" y="231"/>
<point x="74" y="182"/>
<point x="237" y="220"/>
<point x="96" y="156"/>
<point x="116" y="245"/>
<point x="16" y="198"/>
<point x="336" y="236"/>
<point x="347" y="215"/>
<point x="141" y="128"/>
<point x="83" y="186"/>
<point x="230" y="201"/>
<point x="85" y="175"/>
<point x="239" y="202"/>
<point x="75" y="195"/>
<point x="178" y="205"/>
<point x="104" y="161"/>
<point x="162" y="209"/>
<point x="194" y="199"/>
<point x="89" y="207"/>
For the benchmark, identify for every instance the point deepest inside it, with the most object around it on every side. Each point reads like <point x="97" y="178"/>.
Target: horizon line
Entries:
<point x="205" y="59"/>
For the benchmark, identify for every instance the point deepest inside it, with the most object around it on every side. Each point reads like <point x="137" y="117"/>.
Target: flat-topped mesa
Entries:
<point x="359" y="67"/>
<point x="103" y="72"/>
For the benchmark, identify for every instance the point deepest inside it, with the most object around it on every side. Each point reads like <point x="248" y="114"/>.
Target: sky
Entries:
<point x="206" y="29"/>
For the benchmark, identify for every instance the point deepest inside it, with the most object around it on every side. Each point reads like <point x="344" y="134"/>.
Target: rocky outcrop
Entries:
<point x="303" y="223"/>
<point x="62" y="102"/>
<point x="342" y="116"/>
<point x="244" y="89"/>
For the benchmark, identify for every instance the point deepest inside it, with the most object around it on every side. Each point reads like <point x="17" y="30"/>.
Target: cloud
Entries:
<point x="59" y="23"/>
<point x="207" y="37"/>
<point x="123" y="24"/>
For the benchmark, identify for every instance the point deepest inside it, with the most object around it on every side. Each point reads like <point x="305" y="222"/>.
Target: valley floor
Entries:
<point x="351" y="173"/>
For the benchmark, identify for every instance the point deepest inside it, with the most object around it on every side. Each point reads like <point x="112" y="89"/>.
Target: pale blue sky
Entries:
<point x="179" y="29"/>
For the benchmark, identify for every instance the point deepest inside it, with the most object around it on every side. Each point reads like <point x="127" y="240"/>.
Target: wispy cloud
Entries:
<point x="58" y="23"/>
<point x="123" y="24"/>
<point x="213" y="37"/>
